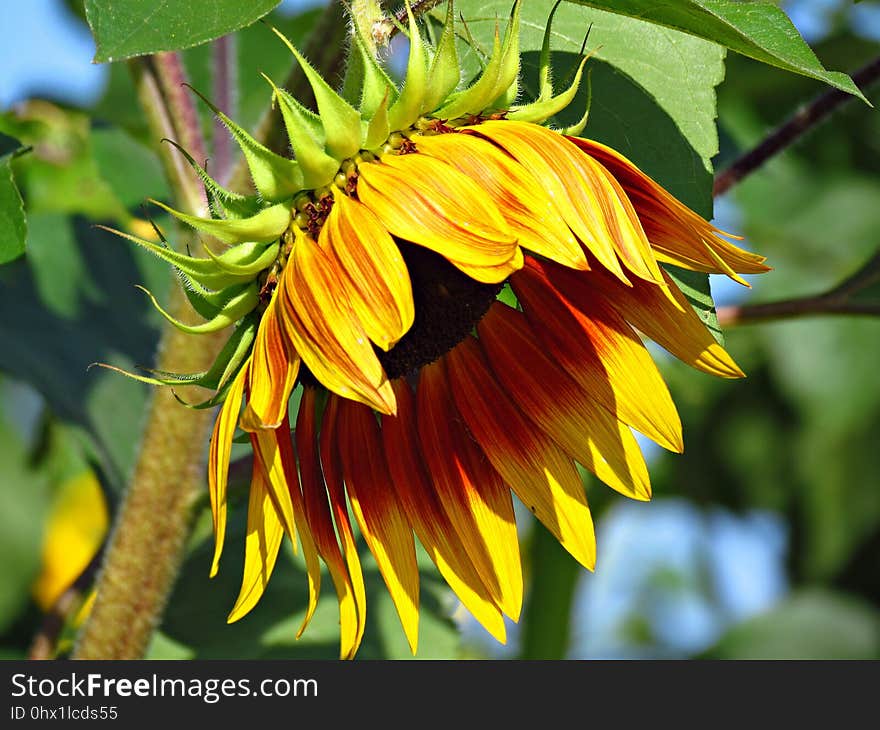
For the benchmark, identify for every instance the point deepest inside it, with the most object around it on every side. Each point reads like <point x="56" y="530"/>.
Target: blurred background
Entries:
<point x="763" y="539"/>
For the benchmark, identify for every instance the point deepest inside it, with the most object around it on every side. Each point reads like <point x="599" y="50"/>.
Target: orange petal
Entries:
<point x="558" y="406"/>
<point x="332" y="469"/>
<point x="425" y="513"/>
<point x="263" y="540"/>
<point x="324" y="330"/>
<point x="540" y="472"/>
<point x="425" y="201"/>
<point x="677" y="234"/>
<point x="596" y="346"/>
<point x="381" y="518"/>
<point x="321" y="522"/>
<point x="380" y="292"/>
<point x="274" y="450"/>
<point x="519" y="195"/>
<point x="273" y="373"/>
<point x="470" y="491"/>
<point x="663" y="314"/>
<point x="218" y="460"/>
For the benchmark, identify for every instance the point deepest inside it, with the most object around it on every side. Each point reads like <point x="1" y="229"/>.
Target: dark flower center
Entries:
<point x="448" y="305"/>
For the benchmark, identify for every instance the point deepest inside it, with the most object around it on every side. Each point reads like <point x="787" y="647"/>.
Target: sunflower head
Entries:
<point x="458" y="290"/>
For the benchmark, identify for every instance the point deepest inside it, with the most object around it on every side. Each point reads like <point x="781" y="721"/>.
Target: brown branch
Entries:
<point x="803" y="120"/>
<point x="386" y="28"/>
<point x="836" y="301"/>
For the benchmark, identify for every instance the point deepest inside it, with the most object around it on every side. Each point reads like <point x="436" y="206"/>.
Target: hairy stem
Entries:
<point x="225" y="97"/>
<point x="149" y="536"/>
<point x="802" y="121"/>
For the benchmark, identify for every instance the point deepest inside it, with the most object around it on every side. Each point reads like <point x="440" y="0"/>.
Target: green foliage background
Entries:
<point x="798" y="437"/>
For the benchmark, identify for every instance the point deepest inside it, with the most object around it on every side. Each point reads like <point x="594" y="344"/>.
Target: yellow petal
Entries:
<point x="274" y="450"/>
<point x="332" y="468"/>
<point x="321" y="523"/>
<point x="218" y="460"/>
<point x="325" y="331"/>
<point x="572" y="191"/>
<point x="558" y="405"/>
<point x="663" y="314"/>
<point x="263" y="540"/>
<point x="381" y="518"/>
<point x="540" y="473"/>
<point x="596" y="346"/>
<point x="273" y="372"/>
<point x="678" y="235"/>
<point x="519" y="195"/>
<point x="380" y="292"/>
<point x="470" y="491"/>
<point x="425" y="201"/>
<point x="425" y="513"/>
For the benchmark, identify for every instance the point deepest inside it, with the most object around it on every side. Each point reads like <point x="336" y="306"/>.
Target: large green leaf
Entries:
<point x="759" y="30"/>
<point x="74" y="304"/>
<point x="653" y="88"/>
<point x="126" y="28"/>
<point x="13" y="227"/>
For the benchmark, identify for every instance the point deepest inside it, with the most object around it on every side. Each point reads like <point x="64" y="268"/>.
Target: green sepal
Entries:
<point x="575" y="129"/>
<point x="545" y="69"/>
<point x="204" y="271"/>
<point x="408" y="106"/>
<point x="275" y="177"/>
<point x="234" y="205"/>
<point x="227" y="363"/>
<point x="507" y="83"/>
<point x="445" y="72"/>
<point x="366" y="80"/>
<point x="317" y="166"/>
<point x="540" y="111"/>
<point x="246" y="259"/>
<point x="222" y="390"/>
<point x="199" y="298"/>
<point x="265" y="226"/>
<point x="342" y="122"/>
<point x="477" y="97"/>
<point x="240" y="302"/>
<point x="379" y="127"/>
<point x="167" y="379"/>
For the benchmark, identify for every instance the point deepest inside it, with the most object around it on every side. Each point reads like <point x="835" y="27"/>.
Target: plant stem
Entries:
<point x="147" y="543"/>
<point x="803" y="120"/>
<point x="225" y="97"/>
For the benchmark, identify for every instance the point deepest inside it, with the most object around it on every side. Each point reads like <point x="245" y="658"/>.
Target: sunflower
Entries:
<point x="456" y="293"/>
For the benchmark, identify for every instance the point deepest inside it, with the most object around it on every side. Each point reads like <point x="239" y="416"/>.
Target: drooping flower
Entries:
<point x="458" y="291"/>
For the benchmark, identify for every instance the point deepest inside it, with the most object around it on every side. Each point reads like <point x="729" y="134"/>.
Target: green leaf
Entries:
<point x="810" y="624"/>
<point x="94" y="314"/>
<point x="653" y="88"/>
<point x="24" y="499"/>
<point x="130" y="169"/>
<point x="758" y="30"/>
<point x="126" y="28"/>
<point x="695" y="286"/>
<point x="13" y="226"/>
